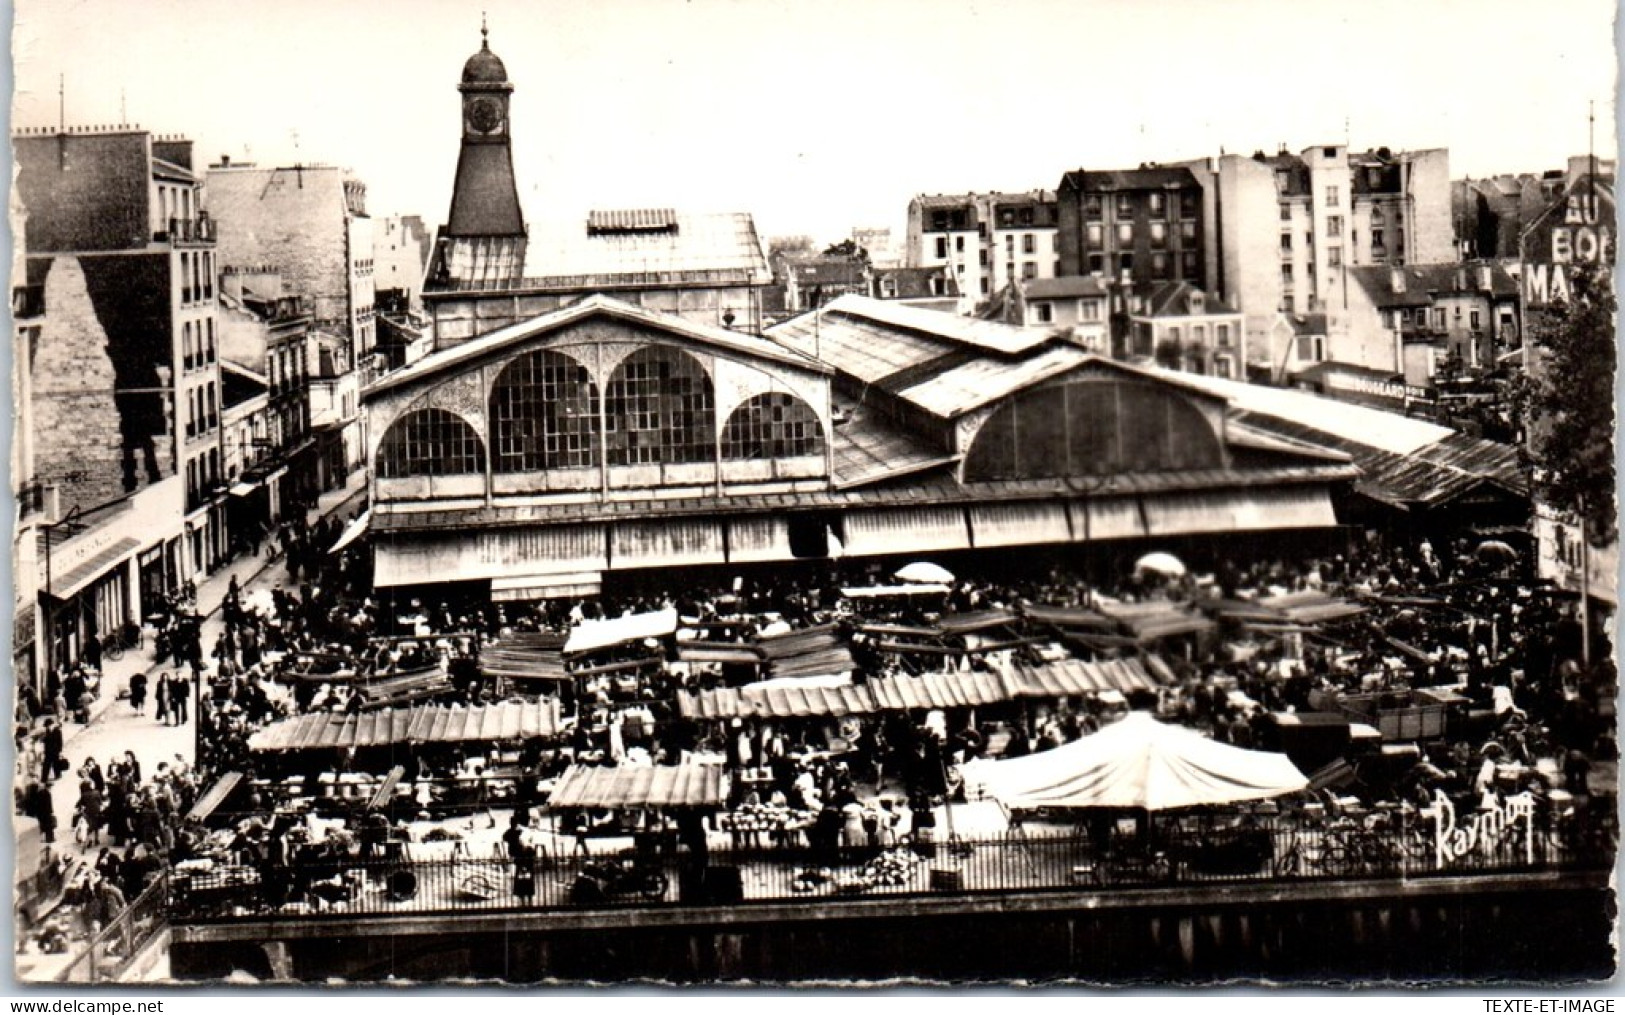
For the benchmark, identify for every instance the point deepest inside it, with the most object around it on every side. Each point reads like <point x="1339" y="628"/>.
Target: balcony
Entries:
<point x="198" y="231"/>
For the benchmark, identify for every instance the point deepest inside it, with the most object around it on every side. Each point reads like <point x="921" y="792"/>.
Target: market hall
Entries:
<point x="607" y="438"/>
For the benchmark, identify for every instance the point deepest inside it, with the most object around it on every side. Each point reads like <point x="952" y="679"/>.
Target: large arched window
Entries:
<point x="1092" y="426"/>
<point x="660" y="409"/>
<point x="774" y="425"/>
<point x="429" y="442"/>
<point x="544" y="415"/>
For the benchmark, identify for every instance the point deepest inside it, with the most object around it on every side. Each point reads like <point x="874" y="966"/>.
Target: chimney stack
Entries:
<point x="1396" y="279"/>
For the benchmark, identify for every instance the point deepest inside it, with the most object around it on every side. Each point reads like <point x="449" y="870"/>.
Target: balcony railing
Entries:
<point x="198" y="230"/>
<point x="385" y="877"/>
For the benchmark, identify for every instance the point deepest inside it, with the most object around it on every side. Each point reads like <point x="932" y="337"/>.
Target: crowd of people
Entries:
<point x="1430" y="616"/>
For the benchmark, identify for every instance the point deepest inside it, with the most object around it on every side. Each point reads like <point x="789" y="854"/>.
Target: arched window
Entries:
<point x="1086" y="426"/>
<point x="660" y="409"/>
<point x="774" y="425"/>
<point x="544" y="415"/>
<point x="429" y="442"/>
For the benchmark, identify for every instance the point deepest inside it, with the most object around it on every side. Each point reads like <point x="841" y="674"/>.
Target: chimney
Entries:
<point x="1486" y="277"/>
<point x="1461" y="280"/>
<point x="1396" y="279"/>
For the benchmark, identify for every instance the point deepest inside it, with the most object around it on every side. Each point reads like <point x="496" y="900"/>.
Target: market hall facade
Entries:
<point x="606" y="437"/>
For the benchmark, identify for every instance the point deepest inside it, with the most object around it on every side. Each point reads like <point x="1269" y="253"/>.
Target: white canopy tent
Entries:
<point x="1139" y="763"/>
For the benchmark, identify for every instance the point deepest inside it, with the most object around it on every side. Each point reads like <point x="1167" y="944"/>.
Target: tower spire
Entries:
<point x="485" y="34"/>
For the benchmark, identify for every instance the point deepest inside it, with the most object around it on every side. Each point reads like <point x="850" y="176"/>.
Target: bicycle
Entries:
<point x="130" y="636"/>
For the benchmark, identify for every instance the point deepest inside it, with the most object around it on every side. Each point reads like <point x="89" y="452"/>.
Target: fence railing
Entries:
<point x="107" y="957"/>
<point x="767" y="867"/>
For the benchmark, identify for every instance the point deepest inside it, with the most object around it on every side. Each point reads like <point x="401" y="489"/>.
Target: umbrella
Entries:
<point x="1138" y="762"/>
<point x="924" y="573"/>
<point x="1161" y="563"/>
<point x="1494" y="550"/>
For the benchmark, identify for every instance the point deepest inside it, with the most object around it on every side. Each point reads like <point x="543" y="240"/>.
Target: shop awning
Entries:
<point x="508" y="720"/>
<point x="592" y="635"/>
<point x="1312" y="607"/>
<point x="940" y="690"/>
<point x="386" y="788"/>
<point x="1070" y="616"/>
<point x="979" y="620"/>
<point x="533" y="587"/>
<point x="65" y="584"/>
<point x="352" y="531"/>
<point x="524" y="655"/>
<point x="718" y="652"/>
<point x="641" y="786"/>
<point x="779" y="701"/>
<point x="214" y="796"/>
<point x="1068" y="677"/>
<point x="811" y="652"/>
<point x="891" y="591"/>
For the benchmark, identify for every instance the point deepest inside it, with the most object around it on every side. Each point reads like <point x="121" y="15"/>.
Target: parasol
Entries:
<point x="1161" y="563"/>
<point x="924" y="573"/>
<point x="1495" y="551"/>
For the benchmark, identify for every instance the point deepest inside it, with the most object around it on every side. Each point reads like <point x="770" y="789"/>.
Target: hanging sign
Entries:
<point x="1455" y="838"/>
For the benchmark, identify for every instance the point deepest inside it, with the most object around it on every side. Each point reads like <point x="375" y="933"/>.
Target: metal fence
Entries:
<point x="1180" y="853"/>
<point x="111" y="950"/>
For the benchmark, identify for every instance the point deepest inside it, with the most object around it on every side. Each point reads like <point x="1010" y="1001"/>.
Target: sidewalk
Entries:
<point x="114" y="728"/>
<point x="211" y="593"/>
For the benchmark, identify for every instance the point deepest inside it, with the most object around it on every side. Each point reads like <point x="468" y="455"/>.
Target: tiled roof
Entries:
<point x="1425" y="281"/>
<point x="1149" y="178"/>
<point x="1172" y="299"/>
<point x="1065" y="287"/>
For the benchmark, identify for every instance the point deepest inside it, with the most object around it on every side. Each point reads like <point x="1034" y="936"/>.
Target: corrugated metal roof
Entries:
<point x="631" y="219"/>
<point x="981" y="381"/>
<point x="524" y="655"/>
<point x="1372" y="428"/>
<point x="1432" y="473"/>
<point x="867" y="449"/>
<point x="637" y="786"/>
<point x="1007" y="339"/>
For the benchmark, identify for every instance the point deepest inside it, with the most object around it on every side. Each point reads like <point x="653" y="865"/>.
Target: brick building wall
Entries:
<point x="78" y="444"/>
<point x="294" y="220"/>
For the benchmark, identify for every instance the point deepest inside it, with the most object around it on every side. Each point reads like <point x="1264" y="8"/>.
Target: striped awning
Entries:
<point x="780" y="702"/>
<point x="940" y="690"/>
<point x="507" y="720"/>
<point x="1068" y="677"/>
<point x="638" y="786"/>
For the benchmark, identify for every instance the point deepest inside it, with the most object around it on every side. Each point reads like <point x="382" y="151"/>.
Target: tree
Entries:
<point x="1569" y="403"/>
<point x="847" y="248"/>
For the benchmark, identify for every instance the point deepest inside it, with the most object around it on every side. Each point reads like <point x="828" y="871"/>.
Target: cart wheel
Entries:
<point x="655" y="885"/>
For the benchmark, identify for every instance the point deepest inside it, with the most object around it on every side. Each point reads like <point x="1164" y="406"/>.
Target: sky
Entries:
<point x="818" y="116"/>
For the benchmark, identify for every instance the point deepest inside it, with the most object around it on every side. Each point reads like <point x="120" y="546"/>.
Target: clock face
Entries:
<point x="484" y="115"/>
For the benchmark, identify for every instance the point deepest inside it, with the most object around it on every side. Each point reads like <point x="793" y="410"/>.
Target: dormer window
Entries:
<point x="1196" y="303"/>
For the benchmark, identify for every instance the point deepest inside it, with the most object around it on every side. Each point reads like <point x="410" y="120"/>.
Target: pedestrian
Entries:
<point x="50" y="752"/>
<point x="160" y="698"/>
<point x="39" y="806"/>
<point x="138" y="693"/>
<point x="179" y="694"/>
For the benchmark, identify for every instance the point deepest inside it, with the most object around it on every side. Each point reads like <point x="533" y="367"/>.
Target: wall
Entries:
<point x="401" y="246"/>
<point x="1249" y="230"/>
<point x="460" y="318"/>
<point x="84" y="192"/>
<point x="1428" y="225"/>
<point x="1355" y="930"/>
<point x="292" y="219"/>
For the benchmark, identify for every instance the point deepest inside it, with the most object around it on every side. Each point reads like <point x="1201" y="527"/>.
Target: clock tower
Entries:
<point x="483" y="240"/>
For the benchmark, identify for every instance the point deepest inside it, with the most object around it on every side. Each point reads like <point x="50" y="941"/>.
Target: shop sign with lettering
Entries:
<point x="1455" y="837"/>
